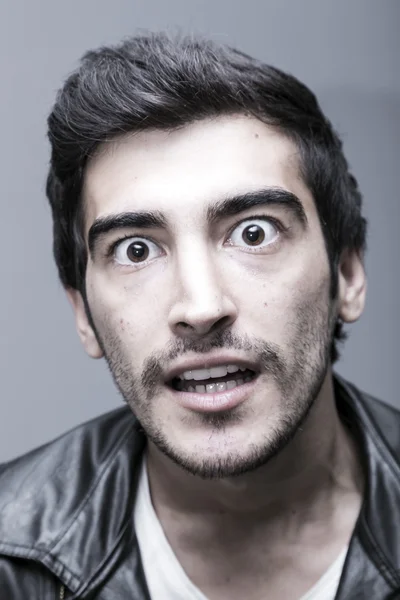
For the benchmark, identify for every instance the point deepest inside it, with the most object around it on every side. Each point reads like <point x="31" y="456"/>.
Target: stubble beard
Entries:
<point x="298" y="377"/>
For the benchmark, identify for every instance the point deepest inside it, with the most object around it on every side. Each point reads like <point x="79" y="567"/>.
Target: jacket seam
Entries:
<point x="98" y="577"/>
<point x="379" y="557"/>
<point x="11" y="551"/>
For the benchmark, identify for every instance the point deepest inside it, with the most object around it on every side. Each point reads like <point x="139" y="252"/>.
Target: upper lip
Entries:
<point x="206" y="362"/>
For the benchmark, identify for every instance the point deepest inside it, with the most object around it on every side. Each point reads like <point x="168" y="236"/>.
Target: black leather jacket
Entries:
<point x="66" y="511"/>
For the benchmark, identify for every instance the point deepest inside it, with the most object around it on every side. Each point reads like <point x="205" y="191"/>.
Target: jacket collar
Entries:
<point x="374" y="551"/>
<point x="68" y="504"/>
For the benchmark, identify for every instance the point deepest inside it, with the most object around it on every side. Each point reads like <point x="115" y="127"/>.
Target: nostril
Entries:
<point x="222" y="323"/>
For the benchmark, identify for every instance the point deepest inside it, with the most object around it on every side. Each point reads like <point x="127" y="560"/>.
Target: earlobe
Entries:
<point x="85" y="330"/>
<point x="352" y="286"/>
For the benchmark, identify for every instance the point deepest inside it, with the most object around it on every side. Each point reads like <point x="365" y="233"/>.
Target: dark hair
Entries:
<point x="157" y="81"/>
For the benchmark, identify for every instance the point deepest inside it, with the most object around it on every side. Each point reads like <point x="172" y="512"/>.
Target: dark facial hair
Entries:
<point x="298" y="376"/>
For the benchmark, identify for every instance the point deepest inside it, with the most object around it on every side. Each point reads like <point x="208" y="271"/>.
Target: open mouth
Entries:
<point x="213" y="380"/>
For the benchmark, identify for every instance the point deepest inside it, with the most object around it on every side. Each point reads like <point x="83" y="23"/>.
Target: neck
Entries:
<point x="321" y="459"/>
<point x="263" y="526"/>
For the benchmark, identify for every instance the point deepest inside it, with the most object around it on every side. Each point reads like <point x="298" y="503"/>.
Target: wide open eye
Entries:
<point x="254" y="233"/>
<point x="136" y="250"/>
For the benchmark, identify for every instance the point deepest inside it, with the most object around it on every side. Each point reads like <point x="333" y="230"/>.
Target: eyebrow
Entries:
<point x="273" y="196"/>
<point x="228" y="207"/>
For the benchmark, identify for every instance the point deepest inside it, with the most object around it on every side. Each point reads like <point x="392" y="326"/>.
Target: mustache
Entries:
<point x="269" y="356"/>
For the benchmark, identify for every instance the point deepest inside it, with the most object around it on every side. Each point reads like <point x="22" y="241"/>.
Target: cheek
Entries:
<point x="124" y="311"/>
<point x="275" y="300"/>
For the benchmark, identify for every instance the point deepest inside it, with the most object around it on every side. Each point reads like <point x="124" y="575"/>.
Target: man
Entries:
<point x="210" y="240"/>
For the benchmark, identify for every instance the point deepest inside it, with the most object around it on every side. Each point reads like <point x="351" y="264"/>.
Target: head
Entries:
<point x="204" y="216"/>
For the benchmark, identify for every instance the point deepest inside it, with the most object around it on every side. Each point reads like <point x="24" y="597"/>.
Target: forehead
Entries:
<point x="179" y="172"/>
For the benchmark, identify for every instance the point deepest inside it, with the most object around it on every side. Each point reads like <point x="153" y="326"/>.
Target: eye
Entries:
<point x="254" y="233"/>
<point x="135" y="251"/>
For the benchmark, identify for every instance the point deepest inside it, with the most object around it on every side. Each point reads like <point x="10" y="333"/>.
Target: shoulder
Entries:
<point x="41" y="491"/>
<point x="381" y="419"/>
<point x="386" y="419"/>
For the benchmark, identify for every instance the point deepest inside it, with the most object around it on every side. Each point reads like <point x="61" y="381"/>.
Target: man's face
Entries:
<point x="227" y="271"/>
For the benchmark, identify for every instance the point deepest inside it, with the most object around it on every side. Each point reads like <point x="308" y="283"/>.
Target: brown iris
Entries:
<point x="137" y="251"/>
<point x="253" y="235"/>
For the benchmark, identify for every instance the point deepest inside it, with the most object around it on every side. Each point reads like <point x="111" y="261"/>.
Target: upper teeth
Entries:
<point x="214" y="372"/>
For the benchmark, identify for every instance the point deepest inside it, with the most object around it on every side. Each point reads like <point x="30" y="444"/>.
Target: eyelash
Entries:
<point x="276" y="222"/>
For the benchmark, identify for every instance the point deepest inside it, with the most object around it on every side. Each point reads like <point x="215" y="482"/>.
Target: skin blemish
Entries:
<point x="256" y="135"/>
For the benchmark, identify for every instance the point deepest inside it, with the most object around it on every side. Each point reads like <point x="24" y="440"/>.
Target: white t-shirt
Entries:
<point x="165" y="577"/>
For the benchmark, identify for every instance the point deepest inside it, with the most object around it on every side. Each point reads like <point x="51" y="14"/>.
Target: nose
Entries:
<point x="203" y="303"/>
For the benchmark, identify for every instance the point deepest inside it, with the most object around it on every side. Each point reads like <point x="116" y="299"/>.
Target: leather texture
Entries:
<point x="66" y="510"/>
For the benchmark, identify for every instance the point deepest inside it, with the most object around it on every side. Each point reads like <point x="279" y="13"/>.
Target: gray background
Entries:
<point x="346" y="51"/>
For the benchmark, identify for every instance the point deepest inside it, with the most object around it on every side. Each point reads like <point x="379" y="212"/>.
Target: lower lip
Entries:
<point x="218" y="402"/>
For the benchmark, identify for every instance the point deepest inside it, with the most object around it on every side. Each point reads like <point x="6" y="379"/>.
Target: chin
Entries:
<point x="219" y="454"/>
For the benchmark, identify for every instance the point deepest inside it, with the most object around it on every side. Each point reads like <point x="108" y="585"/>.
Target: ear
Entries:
<point x="85" y="330"/>
<point x="352" y="286"/>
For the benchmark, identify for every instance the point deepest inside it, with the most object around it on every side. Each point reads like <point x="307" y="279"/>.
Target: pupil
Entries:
<point x="137" y="251"/>
<point x="253" y="234"/>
